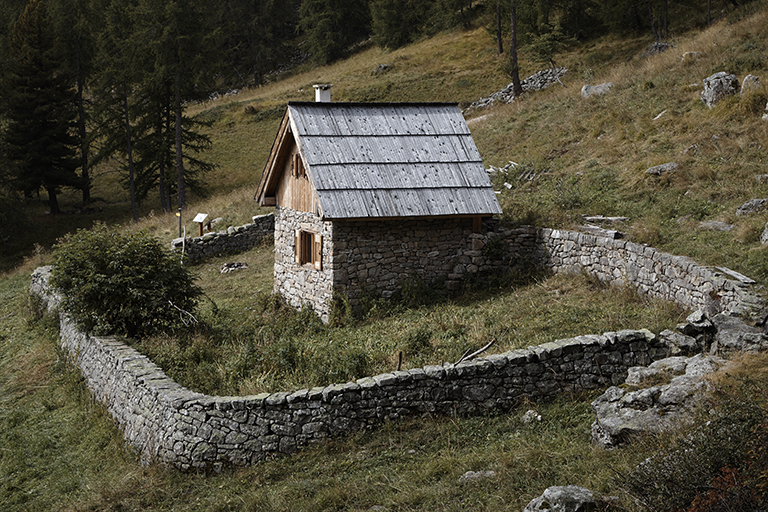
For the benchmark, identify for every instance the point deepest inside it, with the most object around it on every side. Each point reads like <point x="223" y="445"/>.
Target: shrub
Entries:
<point x="123" y="283"/>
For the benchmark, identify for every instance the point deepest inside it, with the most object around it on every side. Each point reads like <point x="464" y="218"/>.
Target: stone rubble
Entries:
<point x="752" y="206"/>
<point x="536" y="82"/>
<point x="231" y="267"/>
<point x="623" y="414"/>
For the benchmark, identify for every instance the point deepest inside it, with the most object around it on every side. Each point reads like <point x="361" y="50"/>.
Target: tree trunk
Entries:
<point x="498" y="28"/>
<point x="656" y="35"/>
<point x="180" y="189"/>
<point x="53" y="201"/>
<point x="517" y="89"/>
<point x="129" y="153"/>
<point x="84" y="145"/>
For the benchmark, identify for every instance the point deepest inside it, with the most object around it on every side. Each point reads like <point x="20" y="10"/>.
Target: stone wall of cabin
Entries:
<point x="299" y="284"/>
<point x="377" y="257"/>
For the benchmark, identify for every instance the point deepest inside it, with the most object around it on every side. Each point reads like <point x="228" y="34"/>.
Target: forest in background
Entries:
<point x="89" y="82"/>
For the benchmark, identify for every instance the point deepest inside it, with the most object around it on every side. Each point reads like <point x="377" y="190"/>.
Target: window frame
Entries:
<point x="308" y="251"/>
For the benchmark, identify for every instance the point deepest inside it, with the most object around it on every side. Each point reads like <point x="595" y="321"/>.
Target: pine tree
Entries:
<point x="39" y="140"/>
<point x="118" y="73"/>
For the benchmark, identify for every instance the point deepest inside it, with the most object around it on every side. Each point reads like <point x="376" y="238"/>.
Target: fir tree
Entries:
<point x="39" y="141"/>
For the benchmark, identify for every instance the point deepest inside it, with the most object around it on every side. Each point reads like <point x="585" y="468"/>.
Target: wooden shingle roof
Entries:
<point x="374" y="160"/>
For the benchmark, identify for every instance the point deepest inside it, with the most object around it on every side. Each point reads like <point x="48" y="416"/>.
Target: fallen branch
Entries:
<point x="190" y="320"/>
<point x="466" y="357"/>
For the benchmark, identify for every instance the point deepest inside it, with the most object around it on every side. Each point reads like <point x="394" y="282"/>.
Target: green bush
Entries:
<point x="124" y="283"/>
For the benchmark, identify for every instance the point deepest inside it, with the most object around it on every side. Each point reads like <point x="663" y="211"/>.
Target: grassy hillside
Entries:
<point x="59" y="450"/>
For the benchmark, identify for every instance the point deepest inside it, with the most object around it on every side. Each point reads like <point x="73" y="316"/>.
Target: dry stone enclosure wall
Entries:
<point x="173" y="425"/>
<point x="234" y="239"/>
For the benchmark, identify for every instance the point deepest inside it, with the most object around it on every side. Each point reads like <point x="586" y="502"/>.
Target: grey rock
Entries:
<point x="752" y="206"/>
<point x="531" y="416"/>
<point x="622" y="415"/>
<point x="474" y="476"/>
<point x="679" y="343"/>
<point x="716" y="225"/>
<point x="669" y="366"/>
<point x="717" y="87"/>
<point x="749" y="84"/>
<point x="764" y="235"/>
<point x="595" y="90"/>
<point x="566" y="498"/>
<point x="659" y="170"/>
<point x="691" y="56"/>
<point x="733" y="334"/>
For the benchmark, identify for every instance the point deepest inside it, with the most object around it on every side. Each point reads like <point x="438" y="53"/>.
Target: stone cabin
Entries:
<point x="370" y="195"/>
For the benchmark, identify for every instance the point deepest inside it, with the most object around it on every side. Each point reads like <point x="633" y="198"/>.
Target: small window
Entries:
<point x="297" y="167"/>
<point x="309" y="249"/>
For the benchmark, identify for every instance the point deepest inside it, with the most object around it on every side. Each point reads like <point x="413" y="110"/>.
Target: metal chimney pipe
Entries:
<point x="323" y="93"/>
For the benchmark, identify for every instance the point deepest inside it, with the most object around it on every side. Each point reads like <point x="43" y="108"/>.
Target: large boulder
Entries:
<point x="717" y="87"/>
<point x="566" y="498"/>
<point x="624" y="414"/>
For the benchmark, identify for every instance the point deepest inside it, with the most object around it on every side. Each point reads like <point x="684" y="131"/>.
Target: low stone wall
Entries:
<point x="652" y="272"/>
<point x="170" y="424"/>
<point x="234" y="239"/>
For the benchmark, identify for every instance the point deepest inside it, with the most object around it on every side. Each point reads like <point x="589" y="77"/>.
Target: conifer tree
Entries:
<point x="118" y="73"/>
<point x="39" y="140"/>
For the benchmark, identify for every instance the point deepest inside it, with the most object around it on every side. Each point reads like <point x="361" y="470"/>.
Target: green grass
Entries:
<point x="249" y="343"/>
<point x="60" y="451"/>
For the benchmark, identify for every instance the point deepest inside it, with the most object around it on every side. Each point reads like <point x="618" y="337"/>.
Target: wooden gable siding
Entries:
<point x="295" y="190"/>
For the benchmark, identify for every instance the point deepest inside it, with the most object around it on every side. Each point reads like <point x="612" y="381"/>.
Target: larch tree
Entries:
<point x="39" y="135"/>
<point x="517" y="89"/>
<point x="74" y="22"/>
<point x="182" y="45"/>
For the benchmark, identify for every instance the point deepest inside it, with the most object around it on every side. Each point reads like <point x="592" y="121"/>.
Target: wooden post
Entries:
<point x="200" y="219"/>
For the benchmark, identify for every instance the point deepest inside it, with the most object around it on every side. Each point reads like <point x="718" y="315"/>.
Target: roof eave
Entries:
<point x="269" y="177"/>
